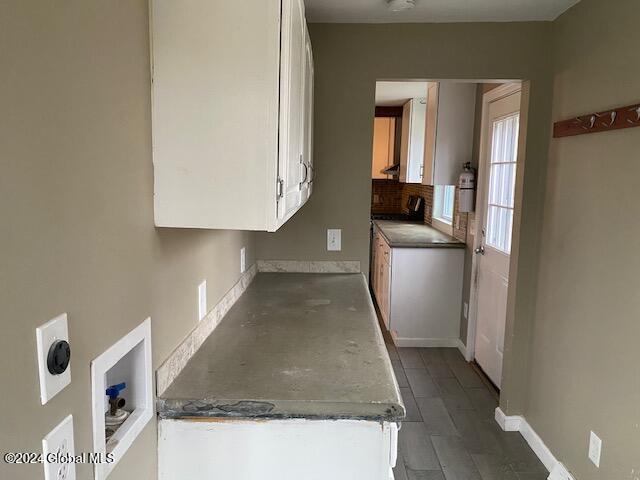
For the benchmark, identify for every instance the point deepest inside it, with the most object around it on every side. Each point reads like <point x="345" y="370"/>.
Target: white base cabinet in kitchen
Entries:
<point x="232" y="110"/>
<point x="418" y="292"/>
<point x="296" y="449"/>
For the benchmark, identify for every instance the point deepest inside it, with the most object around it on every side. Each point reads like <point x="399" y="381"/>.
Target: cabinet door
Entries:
<point x="449" y="131"/>
<point x="385" y="292"/>
<point x="293" y="53"/>
<point x="430" y="134"/>
<point x="306" y="184"/>
<point x="382" y="145"/>
<point x="412" y="147"/>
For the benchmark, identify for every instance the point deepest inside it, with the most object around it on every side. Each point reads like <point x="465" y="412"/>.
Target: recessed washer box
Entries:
<point x="129" y="361"/>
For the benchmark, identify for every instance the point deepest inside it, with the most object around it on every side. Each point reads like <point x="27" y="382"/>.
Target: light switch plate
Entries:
<point x="334" y="239"/>
<point x="55" y="329"/>
<point x="595" y="449"/>
<point x="58" y="445"/>
<point x="243" y="259"/>
<point x="202" y="300"/>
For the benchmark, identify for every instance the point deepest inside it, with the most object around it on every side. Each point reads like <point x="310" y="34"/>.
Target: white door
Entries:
<point x="498" y="170"/>
<point x="293" y="52"/>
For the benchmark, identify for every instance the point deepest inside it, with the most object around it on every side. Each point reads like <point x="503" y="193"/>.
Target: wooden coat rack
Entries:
<point x="623" y="117"/>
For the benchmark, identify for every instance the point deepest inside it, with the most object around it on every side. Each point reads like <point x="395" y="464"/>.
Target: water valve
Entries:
<point x="115" y="401"/>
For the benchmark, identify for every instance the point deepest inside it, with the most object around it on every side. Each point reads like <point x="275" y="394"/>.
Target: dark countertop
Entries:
<point x="403" y="234"/>
<point x="293" y="346"/>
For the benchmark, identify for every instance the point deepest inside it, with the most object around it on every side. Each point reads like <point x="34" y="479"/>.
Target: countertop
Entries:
<point x="404" y="234"/>
<point x="295" y="345"/>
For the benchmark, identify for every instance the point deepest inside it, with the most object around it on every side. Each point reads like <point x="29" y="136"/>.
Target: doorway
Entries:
<point x="495" y="213"/>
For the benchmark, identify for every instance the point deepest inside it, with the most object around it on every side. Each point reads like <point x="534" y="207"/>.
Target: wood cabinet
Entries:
<point x="450" y="118"/>
<point x="232" y="96"/>
<point x="381" y="275"/>
<point x="383" y="146"/>
<point x="412" y="140"/>
<point x="418" y="292"/>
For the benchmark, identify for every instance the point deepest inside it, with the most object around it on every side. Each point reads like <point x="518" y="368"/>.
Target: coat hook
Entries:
<point x="637" y="110"/>
<point x="613" y="116"/>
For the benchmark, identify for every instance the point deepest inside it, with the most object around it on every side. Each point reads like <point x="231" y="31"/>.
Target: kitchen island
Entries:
<point x="294" y="383"/>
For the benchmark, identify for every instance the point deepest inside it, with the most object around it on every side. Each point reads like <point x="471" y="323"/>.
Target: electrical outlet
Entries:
<point x="334" y="239"/>
<point x="243" y="259"/>
<point x="465" y="310"/>
<point x="53" y="331"/>
<point x="595" y="449"/>
<point x="202" y="300"/>
<point x="57" y="452"/>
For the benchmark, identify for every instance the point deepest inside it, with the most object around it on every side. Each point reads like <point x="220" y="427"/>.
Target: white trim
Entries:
<point x="442" y="226"/>
<point x="517" y="423"/>
<point x="144" y="410"/>
<point x="508" y="423"/>
<point x="176" y="361"/>
<point x="491" y="96"/>
<point x="462" y="348"/>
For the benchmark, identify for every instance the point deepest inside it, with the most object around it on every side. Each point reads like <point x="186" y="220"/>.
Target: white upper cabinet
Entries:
<point x="412" y="140"/>
<point x="449" y="131"/>
<point x="232" y="93"/>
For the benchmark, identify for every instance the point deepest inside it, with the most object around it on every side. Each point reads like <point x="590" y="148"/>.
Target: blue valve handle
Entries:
<point x="114" y="390"/>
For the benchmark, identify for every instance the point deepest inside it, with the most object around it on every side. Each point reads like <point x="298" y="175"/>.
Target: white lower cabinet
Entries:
<point x="418" y="292"/>
<point x="232" y="110"/>
<point x="245" y="449"/>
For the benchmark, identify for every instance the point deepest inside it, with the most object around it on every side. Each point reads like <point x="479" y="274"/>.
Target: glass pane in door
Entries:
<point x="502" y="183"/>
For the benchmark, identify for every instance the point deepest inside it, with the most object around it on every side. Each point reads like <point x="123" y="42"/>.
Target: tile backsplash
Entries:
<point x="391" y="196"/>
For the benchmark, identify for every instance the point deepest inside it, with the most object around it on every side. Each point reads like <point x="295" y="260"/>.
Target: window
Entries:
<point x="443" y="198"/>
<point x="502" y="182"/>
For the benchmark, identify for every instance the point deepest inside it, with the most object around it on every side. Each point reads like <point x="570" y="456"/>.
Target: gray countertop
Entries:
<point x="293" y="346"/>
<point x="404" y="234"/>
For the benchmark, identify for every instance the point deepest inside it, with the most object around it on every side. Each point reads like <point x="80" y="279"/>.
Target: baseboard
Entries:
<point x="173" y="365"/>
<point x="425" y="342"/>
<point x="462" y="348"/>
<point x="309" y="266"/>
<point x="517" y="423"/>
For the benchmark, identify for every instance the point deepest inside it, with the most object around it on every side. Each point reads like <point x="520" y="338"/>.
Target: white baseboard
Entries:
<point x="463" y="349"/>
<point x="517" y="423"/>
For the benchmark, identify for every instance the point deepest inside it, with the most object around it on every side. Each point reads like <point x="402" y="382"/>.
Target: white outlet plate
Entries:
<point x="202" y="300"/>
<point x="243" y="259"/>
<point x="595" y="449"/>
<point x="57" y="445"/>
<point x="55" y="329"/>
<point x="334" y="239"/>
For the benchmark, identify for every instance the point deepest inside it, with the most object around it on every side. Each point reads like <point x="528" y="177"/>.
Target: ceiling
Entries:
<point x="390" y="94"/>
<point x="435" y="11"/>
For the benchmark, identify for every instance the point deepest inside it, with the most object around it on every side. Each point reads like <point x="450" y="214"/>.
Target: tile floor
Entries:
<point x="450" y="432"/>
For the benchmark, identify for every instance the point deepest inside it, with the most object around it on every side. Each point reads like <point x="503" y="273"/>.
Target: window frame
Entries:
<point x="442" y="195"/>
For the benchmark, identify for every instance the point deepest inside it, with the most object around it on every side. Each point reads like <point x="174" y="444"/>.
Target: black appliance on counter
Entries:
<point x="415" y="206"/>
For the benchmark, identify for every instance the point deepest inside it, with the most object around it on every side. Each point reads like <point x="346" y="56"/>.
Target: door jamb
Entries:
<point x="497" y="93"/>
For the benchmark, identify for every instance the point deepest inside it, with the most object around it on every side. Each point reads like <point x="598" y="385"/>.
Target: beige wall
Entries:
<point x="349" y="59"/>
<point x="77" y="234"/>
<point x="584" y="357"/>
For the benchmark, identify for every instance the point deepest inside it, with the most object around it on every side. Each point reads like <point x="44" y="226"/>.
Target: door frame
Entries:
<point x="497" y="93"/>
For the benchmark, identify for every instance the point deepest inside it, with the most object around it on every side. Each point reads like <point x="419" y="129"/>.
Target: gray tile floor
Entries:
<point x="450" y="432"/>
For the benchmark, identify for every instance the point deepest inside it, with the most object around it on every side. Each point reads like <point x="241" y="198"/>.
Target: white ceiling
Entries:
<point x="435" y="11"/>
<point x="390" y="94"/>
